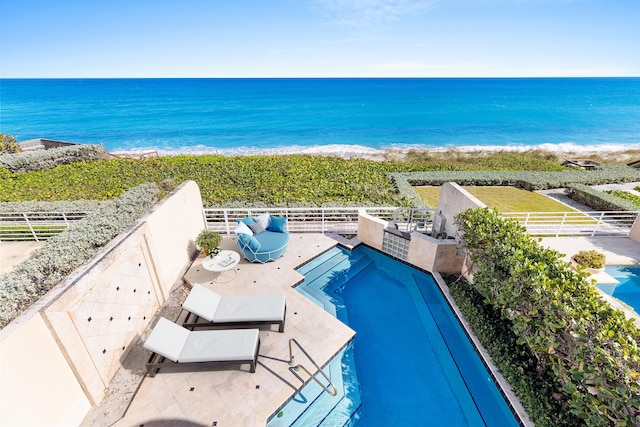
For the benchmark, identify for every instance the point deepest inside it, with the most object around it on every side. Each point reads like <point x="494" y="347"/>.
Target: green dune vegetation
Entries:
<point x="291" y="180"/>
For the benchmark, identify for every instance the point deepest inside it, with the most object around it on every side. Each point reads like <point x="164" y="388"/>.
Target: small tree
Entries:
<point x="8" y="144"/>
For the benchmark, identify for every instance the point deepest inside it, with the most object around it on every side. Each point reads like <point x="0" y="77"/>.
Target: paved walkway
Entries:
<point x="13" y="253"/>
<point x="559" y="194"/>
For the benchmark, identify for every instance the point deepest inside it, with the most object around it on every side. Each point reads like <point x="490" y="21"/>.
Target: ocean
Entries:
<point x="317" y="115"/>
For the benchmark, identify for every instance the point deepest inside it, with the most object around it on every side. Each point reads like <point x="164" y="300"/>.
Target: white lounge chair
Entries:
<point x="175" y="347"/>
<point x="209" y="309"/>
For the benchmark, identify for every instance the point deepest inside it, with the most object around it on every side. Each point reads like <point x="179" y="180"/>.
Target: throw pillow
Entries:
<point x="264" y="219"/>
<point x="277" y="224"/>
<point x="243" y="228"/>
<point x="247" y="220"/>
<point x="247" y="241"/>
<point x="256" y="227"/>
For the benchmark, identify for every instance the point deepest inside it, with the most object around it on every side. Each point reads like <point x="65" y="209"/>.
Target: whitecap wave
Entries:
<point x="350" y="151"/>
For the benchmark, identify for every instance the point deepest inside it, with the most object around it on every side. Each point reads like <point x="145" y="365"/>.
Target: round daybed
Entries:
<point x="263" y="238"/>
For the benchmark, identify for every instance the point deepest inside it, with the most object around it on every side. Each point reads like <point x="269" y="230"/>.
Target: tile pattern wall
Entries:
<point x="110" y="314"/>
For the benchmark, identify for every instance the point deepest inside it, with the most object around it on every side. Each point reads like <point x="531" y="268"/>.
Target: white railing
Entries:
<point x="29" y="226"/>
<point x="586" y="224"/>
<point x="320" y="220"/>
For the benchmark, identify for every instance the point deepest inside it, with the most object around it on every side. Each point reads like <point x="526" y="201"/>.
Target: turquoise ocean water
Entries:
<point x="240" y="116"/>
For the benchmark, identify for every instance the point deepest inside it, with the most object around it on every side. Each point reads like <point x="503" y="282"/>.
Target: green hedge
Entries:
<point x="527" y="180"/>
<point x="589" y="349"/>
<point x="599" y="200"/>
<point x="66" y="251"/>
<point x="516" y="362"/>
<point x="30" y="161"/>
<point x="628" y="197"/>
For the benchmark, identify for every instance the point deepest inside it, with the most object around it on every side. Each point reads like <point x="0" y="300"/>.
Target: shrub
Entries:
<point x="8" y="144"/>
<point x="515" y="360"/>
<point x="30" y="161"/>
<point x="58" y="206"/>
<point x="209" y="241"/>
<point x="627" y="196"/>
<point x="66" y="251"/>
<point x="527" y="180"/>
<point x="598" y="200"/>
<point x="590" y="259"/>
<point x="589" y="350"/>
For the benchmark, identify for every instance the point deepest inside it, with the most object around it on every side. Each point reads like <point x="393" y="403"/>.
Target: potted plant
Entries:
<point x="593" y="261"/>
<point x="209" y="241"/>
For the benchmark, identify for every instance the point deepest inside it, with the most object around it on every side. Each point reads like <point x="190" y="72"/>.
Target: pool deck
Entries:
<point x="232" y="396"/>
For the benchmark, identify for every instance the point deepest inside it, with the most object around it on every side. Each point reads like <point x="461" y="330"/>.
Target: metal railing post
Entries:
<point x="33" y="232"/>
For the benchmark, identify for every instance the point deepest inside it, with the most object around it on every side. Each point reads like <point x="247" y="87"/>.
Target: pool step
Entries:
<point x="322" y="283"/>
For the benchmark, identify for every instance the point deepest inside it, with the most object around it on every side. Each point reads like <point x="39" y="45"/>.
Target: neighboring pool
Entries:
<point x="410" y="363"/>
<point x="628" y="288"/>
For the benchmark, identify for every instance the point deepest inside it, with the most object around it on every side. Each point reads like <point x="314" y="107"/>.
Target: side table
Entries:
<point x="224" y="261"/>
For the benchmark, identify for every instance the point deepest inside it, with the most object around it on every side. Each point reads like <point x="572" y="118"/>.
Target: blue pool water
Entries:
<point x="628" y="288"/>
<point x="410" y="363"/>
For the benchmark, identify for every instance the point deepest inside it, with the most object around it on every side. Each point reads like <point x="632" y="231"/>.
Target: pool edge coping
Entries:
<point x="504" y="387"/>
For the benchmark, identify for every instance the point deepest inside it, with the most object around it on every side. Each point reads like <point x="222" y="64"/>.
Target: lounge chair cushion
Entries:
<point x="245" y="308"/>
<point x="181" y="345"/>
<point x="277" y="224"/>
<point x="213" y="307"/>
<point x="167" y="339"/>
<point x="222" y="345"/>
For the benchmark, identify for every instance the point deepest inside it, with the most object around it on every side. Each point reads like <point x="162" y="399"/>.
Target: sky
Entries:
<point x="319" y="38"/>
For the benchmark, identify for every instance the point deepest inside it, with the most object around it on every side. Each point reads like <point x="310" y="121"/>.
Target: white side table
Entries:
<point x="224" y="261"/>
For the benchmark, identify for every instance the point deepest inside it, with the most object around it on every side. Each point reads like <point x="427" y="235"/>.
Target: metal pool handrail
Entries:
<point x="313" y="376"/>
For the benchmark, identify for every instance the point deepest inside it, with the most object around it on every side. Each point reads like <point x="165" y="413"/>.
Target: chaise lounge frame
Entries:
<point x="170" y="343"/>
<point x="157" y="362"/>
<point x="193" y="320"/>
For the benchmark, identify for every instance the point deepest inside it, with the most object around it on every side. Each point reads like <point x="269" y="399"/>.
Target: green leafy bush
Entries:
<point x="590" y="259"/>
<point x="8" y="144"/>
<point x="527" y="180"/>
<point x="599" y="200"/>
<point x="30" y="161"/>
<point x="515" y="361"/>
<point x="209" y="241"/>
<point x="589" y="350"/>
<point x="66" y="251"/>
<point x="55" y="206"/>
<point x="634" y="199"/>
<point x="291" y="180"/>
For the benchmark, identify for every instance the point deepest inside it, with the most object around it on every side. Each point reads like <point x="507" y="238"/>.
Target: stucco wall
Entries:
<point x="424" y="251"/>
<point x="452" y="200"/>
<point x="634" y="234"/>
<point x="86" y="325"/>
<point x="371" y="230"/>
<point x="37" y="385"/>
<point x="434" y="254"/>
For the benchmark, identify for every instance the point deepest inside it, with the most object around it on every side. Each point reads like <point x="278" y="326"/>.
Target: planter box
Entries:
<point x="587" y="270"/>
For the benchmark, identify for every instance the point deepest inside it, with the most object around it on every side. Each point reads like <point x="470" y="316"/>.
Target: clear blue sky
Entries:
<point x="319" y="38"/>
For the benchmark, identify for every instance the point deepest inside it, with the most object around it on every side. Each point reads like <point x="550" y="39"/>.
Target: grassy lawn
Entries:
<point x="504" y="199"/>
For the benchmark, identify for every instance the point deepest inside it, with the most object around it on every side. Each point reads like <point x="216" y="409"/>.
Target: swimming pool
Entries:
<point x="410" y="363"/>
<point x="628" y="288"/>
